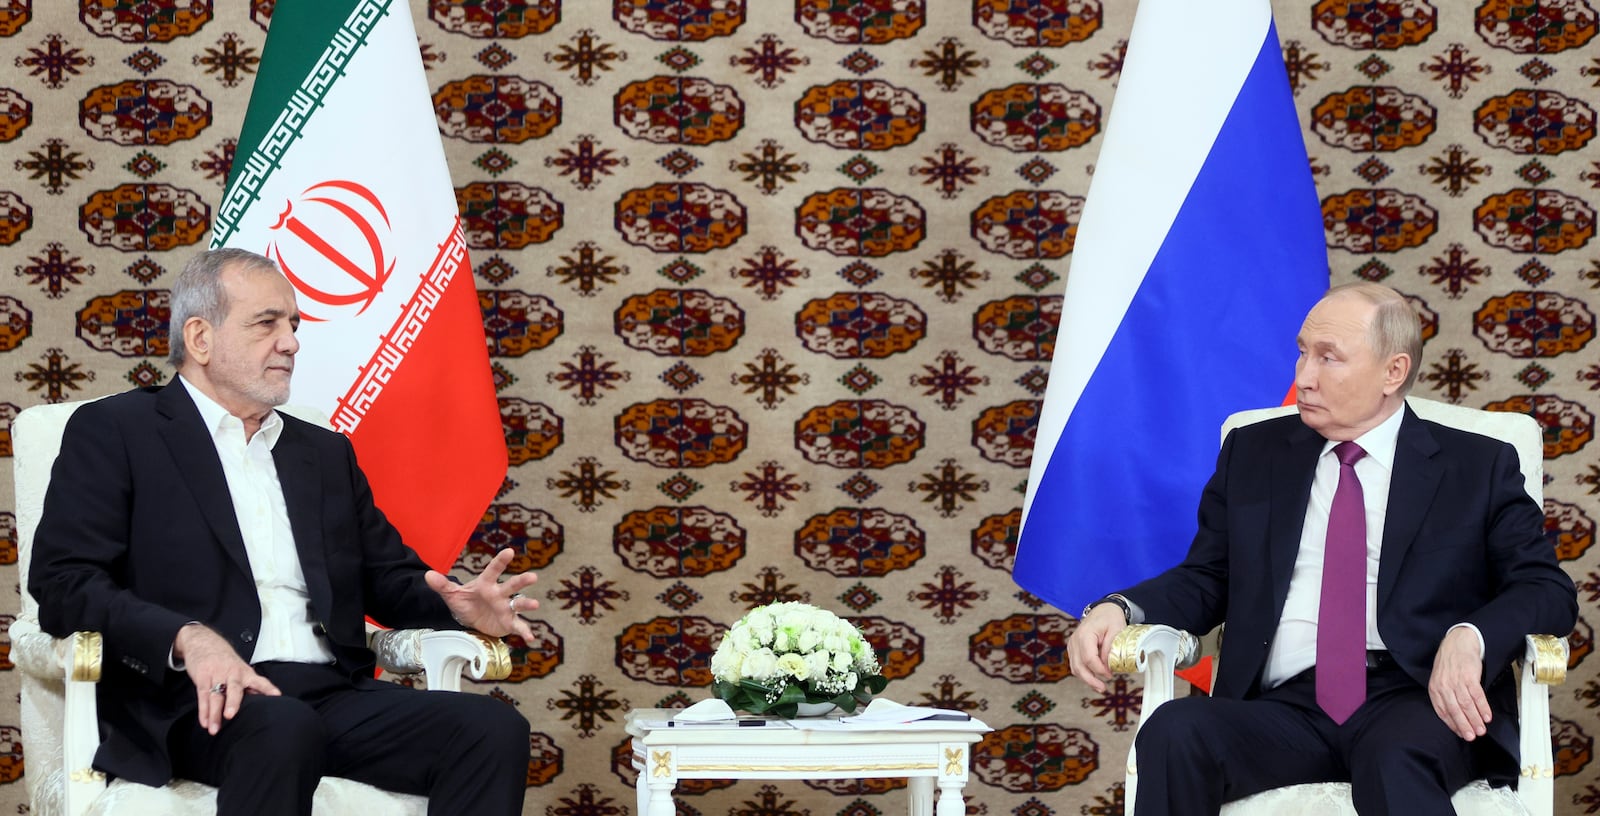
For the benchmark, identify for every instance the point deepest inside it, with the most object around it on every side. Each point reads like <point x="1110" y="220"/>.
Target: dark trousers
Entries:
<point x="1195" y="753"/>
<point x="467" y="753"/>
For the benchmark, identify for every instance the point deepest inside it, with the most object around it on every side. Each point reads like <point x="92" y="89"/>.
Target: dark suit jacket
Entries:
<point x="1462" y="542"/>
<point x="139" y="537"/>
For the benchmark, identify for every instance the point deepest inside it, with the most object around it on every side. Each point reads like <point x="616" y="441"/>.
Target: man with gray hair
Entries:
<point x="1377" y="573"/>
<point x="229" y="554"/>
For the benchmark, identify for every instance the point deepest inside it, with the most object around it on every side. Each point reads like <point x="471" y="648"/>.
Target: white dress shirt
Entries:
<point x="1294" y="647"/>
<point x="287" y="632"/>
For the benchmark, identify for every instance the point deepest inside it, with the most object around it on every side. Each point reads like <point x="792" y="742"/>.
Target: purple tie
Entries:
<point x="1342" y="617"/>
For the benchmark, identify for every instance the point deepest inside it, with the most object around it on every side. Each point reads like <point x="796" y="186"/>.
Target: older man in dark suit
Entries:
<point x="228" y="553"/>
<point x="1377" y="574"/>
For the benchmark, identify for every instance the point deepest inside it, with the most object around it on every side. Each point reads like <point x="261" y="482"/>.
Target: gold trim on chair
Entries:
<point x="86" y="657"/>
<point x="499" y="657"/>
<point x="1125" y="648"/>
<point x="1550" y="659"/>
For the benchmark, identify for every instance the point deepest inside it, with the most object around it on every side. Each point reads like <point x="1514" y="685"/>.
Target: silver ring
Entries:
<point x="220" y="688"/>
<point x="511" y="603"/>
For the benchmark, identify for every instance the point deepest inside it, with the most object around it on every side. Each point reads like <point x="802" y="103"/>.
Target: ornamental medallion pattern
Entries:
<point x="771" y="292"/>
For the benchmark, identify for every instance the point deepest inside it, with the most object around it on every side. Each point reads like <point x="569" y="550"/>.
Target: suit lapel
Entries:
<point x="1412" y="486"/>
<point x="195" y="453"/>
<point x="1292" y="470"/>
<point x="301" y="480"/>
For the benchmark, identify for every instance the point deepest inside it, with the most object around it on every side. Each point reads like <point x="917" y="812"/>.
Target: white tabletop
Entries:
<point x="797" y="732"/>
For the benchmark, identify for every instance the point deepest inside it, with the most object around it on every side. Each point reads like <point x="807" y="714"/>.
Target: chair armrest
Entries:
<point x="1136" y="646"/>
<point x="1547" y="656"/>
<point x="1155" y="650"/>
<point x="54" y="659"/>
<point x="1544" y="664"/>
<point x="442" y="655"/>
<point x="67" y="669"/>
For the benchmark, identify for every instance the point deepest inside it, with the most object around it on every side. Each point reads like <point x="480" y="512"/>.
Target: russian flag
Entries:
<point x="1199" y="253"/>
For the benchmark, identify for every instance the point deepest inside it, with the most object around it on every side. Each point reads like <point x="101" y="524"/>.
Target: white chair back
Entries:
<point x="1521" y="430"/>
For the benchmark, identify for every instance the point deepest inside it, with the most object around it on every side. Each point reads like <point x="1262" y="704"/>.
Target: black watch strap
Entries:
<point x="1127" y="614"/>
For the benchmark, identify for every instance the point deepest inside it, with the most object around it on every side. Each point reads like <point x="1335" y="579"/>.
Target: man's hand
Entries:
<point x="486" y="603"/>
<point x="1456" y="687"/>
<point x="221" y="678"/>
<point x="1089" y="648"/>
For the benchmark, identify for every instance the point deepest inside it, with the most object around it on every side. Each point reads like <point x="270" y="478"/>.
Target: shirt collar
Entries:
<point x="1379" y="443"/>
<point x="217" y="419"/>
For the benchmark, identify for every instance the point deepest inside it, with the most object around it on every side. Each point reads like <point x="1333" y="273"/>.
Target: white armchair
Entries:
<point x="1155" y="651"/>
<point x="59" y="724"/>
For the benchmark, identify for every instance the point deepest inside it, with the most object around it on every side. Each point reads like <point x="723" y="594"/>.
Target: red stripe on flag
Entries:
<point x="432" y="445"/>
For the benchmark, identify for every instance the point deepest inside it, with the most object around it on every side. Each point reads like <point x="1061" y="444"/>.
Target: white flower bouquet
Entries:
<point x="783" y="654"/>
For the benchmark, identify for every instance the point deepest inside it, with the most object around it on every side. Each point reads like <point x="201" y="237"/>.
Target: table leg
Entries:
<point x="950" y="802"/>
<point x="641" y="794"/>
<point x="661" y="798"/>
<point x="921" y="795"/>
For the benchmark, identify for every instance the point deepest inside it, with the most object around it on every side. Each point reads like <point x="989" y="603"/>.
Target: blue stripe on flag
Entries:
<point x="1210" y="331"/>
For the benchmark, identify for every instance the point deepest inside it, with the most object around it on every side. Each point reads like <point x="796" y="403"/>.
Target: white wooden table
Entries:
<point x="926" y="757"/>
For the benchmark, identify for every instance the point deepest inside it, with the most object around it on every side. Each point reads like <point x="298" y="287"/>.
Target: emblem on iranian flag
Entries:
<point x="333" y="244"/>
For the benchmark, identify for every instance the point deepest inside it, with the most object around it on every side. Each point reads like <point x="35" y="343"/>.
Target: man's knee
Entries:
<point x="509" y="727"/>
<point x="1177" y="725"/>
<point x="275" y="736"/>
<point x="491" y="724"/>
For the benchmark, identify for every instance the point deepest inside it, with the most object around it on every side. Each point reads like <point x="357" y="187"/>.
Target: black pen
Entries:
<point x="742" y="723"/>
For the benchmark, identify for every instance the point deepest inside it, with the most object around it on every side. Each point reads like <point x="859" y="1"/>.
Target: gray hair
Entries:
<point x="198" y="292"/>
<point x="1395" y="327"/>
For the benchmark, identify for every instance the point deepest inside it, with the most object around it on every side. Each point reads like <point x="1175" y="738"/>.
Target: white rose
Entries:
<point x="794" y="665"/>
<point x="816" y="664"/>
<point x="810" y="639"/>
<point x="842" y="661"/>
<point x="760" y="664"/>
<point x="725" y="662"/>
<point x="792" y="615"/>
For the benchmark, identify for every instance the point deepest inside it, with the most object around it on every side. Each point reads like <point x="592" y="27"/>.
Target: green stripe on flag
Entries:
<point x="309" y="43"/>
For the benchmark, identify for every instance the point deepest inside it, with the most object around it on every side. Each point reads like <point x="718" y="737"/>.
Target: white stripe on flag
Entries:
<point x="1142" y="175"/>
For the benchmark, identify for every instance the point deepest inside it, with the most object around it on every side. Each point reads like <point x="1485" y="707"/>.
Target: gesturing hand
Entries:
<point x="486" y="603"/>
<point x="221" y="678"/>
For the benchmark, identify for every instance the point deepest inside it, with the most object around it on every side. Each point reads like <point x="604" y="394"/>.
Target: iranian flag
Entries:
<point x="341" y="179"/>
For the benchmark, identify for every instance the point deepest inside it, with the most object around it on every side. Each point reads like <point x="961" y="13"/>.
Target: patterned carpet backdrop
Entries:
<point x="771" y="289"/>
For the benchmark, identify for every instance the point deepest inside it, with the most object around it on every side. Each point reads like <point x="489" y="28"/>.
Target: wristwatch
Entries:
<point x="1121" y="602"/>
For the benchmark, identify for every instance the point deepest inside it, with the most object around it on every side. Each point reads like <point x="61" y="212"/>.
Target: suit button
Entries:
<point x="247" y="636"/>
